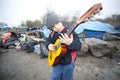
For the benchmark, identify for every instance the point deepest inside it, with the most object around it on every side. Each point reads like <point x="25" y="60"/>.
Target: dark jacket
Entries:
<point x="74" y="46"/>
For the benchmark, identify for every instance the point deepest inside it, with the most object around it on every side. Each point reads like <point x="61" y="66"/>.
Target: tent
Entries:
<point x="117" y="27"/>
<point x="68" y="26"/>
<point x="95" y="29"/>
<point x="46" y="31"/>
<point x="4" y="28"/>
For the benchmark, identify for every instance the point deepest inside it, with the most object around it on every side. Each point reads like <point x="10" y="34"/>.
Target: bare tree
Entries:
<point x="37" y="23"/>
<point x="29" y="24"/>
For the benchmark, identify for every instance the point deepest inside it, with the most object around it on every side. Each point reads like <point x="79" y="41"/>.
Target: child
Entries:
<point x="64" y="70"/>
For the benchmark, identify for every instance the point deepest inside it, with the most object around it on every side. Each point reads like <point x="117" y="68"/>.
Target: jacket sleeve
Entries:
<point x="75" y="45"/>
<point x="51" y="39"/>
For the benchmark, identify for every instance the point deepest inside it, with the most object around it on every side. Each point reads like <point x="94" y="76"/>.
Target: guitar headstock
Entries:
<point x="96" y="8"/>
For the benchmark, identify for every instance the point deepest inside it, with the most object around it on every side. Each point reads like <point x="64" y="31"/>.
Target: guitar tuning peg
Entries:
<point x="92" y="19"/>
<point x="90" y="16"/>
<point x="97" y="11"/>
<point x="88" y="19"/>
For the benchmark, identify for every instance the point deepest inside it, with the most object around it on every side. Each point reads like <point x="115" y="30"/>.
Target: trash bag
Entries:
<point x="44" y="50"/>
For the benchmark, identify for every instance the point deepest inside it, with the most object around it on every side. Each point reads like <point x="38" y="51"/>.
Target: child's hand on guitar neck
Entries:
<point x="65" y="39"/>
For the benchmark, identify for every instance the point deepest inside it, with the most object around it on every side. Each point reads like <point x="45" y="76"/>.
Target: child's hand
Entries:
<point x="66" y="39"/>
<point x="51" y="47"/>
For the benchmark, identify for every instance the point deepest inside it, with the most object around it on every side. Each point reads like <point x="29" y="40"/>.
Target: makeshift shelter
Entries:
<point x="68" y="26"/>
<point x="46" y="31"/>
<point x="95" y="29"/>
<point x="4" y="28"/>
<point x="117" y="27"/>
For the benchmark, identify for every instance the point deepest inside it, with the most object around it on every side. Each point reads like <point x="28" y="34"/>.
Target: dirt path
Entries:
<point x="18" y="65"/>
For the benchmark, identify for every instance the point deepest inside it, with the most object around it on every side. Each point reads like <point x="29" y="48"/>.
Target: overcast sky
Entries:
<point x="13" y="12"/>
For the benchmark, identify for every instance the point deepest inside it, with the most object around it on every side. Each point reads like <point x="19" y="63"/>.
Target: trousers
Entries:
<point x="63" y="72"/>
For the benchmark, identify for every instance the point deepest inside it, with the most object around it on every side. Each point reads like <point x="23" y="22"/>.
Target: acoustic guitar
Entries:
<point x="60" y="50"/>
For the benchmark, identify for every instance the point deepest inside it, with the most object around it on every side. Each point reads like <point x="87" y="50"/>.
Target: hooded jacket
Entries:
<point x="70" y="56"/>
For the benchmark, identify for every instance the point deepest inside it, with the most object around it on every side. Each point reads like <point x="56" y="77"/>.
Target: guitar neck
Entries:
<point x="72" y="28"/>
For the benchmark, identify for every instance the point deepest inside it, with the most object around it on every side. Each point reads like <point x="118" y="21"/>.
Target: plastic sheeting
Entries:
<point x="46" y="31"/>
<point x="96" y="26"/>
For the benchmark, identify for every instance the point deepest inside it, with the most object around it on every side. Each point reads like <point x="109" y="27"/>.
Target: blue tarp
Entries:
<point x="46" y="31"/>
<point x="94" y="34"/>
<point x="117" y="27"/>
<point x="4" y="28"/>
<point x="96" y="26"/>
<point x="68" y="26"/>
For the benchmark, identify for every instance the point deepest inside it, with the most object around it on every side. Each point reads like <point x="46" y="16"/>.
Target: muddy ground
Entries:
<point x="19" y="65"/>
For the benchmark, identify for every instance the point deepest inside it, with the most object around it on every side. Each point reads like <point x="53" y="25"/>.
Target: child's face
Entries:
<point x="58" y="27"/>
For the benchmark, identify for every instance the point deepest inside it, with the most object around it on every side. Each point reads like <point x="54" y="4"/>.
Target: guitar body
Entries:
<point x="54" y="56"/>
